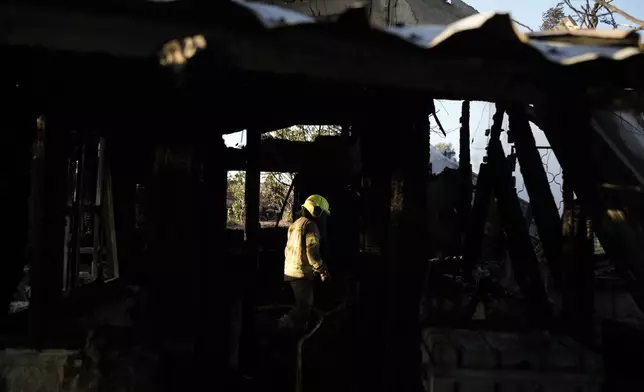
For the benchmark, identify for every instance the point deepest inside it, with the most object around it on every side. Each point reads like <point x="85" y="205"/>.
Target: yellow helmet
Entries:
<point x="316" y="205"/>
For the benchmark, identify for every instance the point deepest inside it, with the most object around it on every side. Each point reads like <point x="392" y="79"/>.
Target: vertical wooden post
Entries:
<point x="570" y="287"/>
<point x="48" y="230"/>
<point x="465" y="167"/>
<point x="252" y="193"/>
<point x="174" y="216"/>
<point x="482" y="198"/>
<point x="251" y="245"/>
<point x="214" y="299"/>
<point x="73" y="261"/>
<point x="19" y="130"/>
<point x="578" y="272"/>
<point x="546" y="214"/>
<point x="407" y="251"/>
<point x="171" y="227"/>
<point x="376" y="188"/>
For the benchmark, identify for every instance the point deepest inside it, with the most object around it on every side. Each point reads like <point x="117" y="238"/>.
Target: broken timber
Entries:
<point x="578" y="270"/>
<point x="542" y="202"/>
<point x="566" y="121"/>
<point x="465" y="169"/>
<point x="497" y="177"/>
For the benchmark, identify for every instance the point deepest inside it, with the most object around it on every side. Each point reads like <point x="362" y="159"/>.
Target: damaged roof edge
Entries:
<point x="401" y="57"/>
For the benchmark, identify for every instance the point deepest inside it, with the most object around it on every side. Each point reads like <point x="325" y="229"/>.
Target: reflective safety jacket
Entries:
<point x="302" y="254"/>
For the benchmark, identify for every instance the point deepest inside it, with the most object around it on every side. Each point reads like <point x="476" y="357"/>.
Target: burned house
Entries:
<point x="115" y="114"/>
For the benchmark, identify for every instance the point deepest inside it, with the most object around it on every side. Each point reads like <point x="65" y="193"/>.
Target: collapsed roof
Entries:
<point x="482" y="57"/>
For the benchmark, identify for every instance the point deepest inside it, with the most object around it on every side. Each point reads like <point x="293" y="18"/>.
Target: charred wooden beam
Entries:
<point x="482" y="198"/>
<point x="394" y="253"/>
<point x="49" y="201"/>
<point x="545" y="212"/>
<point x="465" y="169"/>
<point x="216" y="300"/>
<point x="375" y="209"/>
<point x="566" y="121"/>
<point x="173" y="217"/>
<point x="408" y="248"/>
<point x="251" y="245"/>
<point x="19" y="131"/>
<point x="520" y="248"/>
<point x="578" y="271"/>
<point x="76" y="215"/>
<point x="252" y="193"/>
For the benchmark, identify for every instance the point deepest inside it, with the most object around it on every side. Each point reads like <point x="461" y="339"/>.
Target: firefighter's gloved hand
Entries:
<point x="323" y="273"/>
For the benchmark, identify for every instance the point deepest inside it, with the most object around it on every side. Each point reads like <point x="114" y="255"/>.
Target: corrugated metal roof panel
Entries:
<point x="565" y="48"/>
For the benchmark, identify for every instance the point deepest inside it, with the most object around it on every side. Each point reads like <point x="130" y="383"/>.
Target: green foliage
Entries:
<point x="273" y="190"/>
<point x="235" y="196"/>
<point x="552" y="17"/>
<point x="274" y="186"/>
<point x="305" y="133"/>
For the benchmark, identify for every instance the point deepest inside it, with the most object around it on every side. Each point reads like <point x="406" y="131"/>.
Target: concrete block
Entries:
<point x="518" y="386"/>
<point x="477" y="386"/>
<point x="476" y="352"/>
<point x="556" y="356"/>
<point x="445" y="354"/>
<point x="559" y="387"/>
<point x="440" y="346"/>
<point x="442" y="385"/>
<point x="513" y="350"/>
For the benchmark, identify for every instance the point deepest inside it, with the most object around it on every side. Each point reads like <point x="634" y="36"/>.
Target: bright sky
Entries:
<point x="529" y="13"/>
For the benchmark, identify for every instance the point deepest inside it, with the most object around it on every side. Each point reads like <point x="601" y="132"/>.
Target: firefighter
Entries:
<point x="303" y="263"/>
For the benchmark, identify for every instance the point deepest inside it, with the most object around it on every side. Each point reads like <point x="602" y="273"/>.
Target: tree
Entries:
<point x="274" y="185"/>
<point x="552" y="17"/>
<point x="305" y="133"/>
<point x="446" y="149"/>
<point x="274" y="189"/>
<point x="586" y="14"/>
<point x="235" y="196"/>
